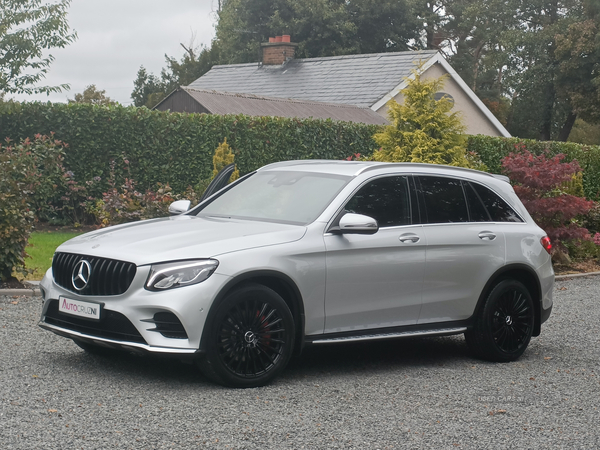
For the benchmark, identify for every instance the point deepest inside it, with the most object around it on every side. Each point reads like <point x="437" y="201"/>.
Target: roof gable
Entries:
<point x="351" y="79"/>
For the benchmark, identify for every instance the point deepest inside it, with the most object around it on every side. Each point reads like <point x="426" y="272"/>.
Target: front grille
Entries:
<point x="107" y="276"/>
<point x="112" y="325"/>
<point x="168" y="325"/>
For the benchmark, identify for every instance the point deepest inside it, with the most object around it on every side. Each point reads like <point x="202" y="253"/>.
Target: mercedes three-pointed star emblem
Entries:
<point x="81" y="275"/>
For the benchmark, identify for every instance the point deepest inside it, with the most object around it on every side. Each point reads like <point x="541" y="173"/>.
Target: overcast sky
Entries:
<point x="116" y="37"/>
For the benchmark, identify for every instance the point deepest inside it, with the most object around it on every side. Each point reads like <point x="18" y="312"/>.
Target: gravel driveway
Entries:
<point x="412" y="393"/>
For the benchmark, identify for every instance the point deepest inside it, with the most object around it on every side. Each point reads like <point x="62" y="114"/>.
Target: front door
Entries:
<point x="375" y="281"/>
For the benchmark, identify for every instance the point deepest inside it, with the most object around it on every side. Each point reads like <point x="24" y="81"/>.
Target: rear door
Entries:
<point x="374" y="281"/>
<point x="464" y="248"/>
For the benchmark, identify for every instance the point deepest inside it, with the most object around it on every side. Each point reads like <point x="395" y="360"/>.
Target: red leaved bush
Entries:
<point x="540" y="184"/>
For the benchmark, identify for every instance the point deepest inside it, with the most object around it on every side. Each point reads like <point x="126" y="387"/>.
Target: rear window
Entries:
<point x="444" y="200"/>
<point x="497" y="208"/>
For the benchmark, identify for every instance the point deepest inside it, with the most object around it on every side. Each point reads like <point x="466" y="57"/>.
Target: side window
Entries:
<point x="499" y="210"/>
<point x="444" y="200"/>
<point x="477" y="210"/>
<point x="385" y="199"/>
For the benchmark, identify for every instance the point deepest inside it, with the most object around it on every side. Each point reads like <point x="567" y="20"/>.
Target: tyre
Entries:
<point x="503" y="327"/>
<point x="249" y="339"/>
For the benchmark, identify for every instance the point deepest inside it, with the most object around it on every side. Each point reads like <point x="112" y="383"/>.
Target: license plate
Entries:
<point x="79" y="308"/>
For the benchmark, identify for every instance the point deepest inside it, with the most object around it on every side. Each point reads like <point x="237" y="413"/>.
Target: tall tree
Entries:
<point x="506" y="50"/>
<point x="28" y="28"/>
<point x="150" y="89"/>
<point x="578" y="53"/>
<point x="320" y="27"/>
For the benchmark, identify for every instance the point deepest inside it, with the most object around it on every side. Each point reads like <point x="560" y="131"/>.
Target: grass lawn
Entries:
<point x="41" y="248"/>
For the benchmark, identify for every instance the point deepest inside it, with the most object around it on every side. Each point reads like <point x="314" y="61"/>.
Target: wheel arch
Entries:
<point x="278" y="282"/>
<point x="525" y="275"/>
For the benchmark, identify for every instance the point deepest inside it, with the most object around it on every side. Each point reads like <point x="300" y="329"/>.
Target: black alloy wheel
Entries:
<point x="250" y="338"/>
<point x="504" y="326"/>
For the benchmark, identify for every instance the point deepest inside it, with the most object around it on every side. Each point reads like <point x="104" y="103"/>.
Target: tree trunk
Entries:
<point x="565" y="131"/>
<point x="546" y="126"/>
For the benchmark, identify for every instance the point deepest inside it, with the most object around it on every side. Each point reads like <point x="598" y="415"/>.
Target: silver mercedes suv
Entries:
<point x="308" y="253"/>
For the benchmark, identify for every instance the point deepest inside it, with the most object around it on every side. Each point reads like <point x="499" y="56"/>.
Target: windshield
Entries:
<point x="289" y="197"/>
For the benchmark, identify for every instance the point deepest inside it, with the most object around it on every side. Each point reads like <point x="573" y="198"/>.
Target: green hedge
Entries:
<point x="176" y="148"/>
<point x="491" y="151"/>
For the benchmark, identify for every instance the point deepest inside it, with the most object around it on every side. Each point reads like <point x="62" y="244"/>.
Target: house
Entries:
<point x="365" y="81"/>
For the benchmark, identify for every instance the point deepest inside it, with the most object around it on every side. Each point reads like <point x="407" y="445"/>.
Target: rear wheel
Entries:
<point x="504" y="325"/>
<point x="249" y="338"/>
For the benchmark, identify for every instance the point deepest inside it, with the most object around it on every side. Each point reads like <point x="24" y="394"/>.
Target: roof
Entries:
<point x="351" y="79"/>
<point x="354" y="168"/>
<point x="215" y="102"/>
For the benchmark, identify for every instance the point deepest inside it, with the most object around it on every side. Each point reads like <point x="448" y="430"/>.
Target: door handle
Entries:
<point x="405" y="238"/>
<point x="487" y="236"/>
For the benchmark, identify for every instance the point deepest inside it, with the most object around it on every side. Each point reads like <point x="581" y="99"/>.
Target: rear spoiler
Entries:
<point x="501" y="177"/>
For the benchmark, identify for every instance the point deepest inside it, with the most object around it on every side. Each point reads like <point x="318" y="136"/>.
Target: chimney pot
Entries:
<point x="277" y="38"/>
<point x="285" y="38"/>
<point x="271" y="39"/>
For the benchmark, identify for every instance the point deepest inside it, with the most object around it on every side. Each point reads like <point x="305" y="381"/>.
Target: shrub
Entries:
<point x="122" y="204"/>
<point x="222" y="158"/>
<point x="423" y="129"/>
<point x="18" y="180"/>
<point x="542" y="184"/>
<point x="492" y="150"/>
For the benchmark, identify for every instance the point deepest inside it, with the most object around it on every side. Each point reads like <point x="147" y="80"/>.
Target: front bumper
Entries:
<point x="138" y="306"/>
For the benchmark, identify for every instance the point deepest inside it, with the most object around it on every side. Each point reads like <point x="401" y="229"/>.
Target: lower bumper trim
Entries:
<point x="119" y="345"/>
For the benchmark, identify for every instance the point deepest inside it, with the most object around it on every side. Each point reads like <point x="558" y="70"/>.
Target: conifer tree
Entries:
<point x="423" y="129"/>
<point x="223" y="157"/>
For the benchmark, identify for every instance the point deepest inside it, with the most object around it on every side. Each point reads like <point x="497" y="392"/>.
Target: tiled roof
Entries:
<point x="352" y="79"/>
<point x="231" y="103"/>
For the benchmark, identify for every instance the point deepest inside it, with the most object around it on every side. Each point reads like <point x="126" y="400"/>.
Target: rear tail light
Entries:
<point x="545" y="241"/>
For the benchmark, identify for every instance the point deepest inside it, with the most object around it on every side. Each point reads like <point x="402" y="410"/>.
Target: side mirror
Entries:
<point x="179" y="207"/>
<point x="351" y="223"/>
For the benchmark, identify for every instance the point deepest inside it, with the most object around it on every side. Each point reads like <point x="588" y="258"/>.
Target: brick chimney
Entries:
<point x="278" y="50"/>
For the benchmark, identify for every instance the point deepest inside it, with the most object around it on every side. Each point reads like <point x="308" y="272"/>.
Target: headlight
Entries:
<point x="180" y="273"/>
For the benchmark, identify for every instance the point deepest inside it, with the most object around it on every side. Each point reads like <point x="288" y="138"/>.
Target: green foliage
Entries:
<point x="150" y="89"/>
<point x="154" y="147"/>
<point x="582" y="249"/>
<point x="320" y="27"/>
<point x="42" y="245"/>
<point x="93" y="96"/>
<point x="591" y="221"/>
<point x="578" y="51"/>
<point x="28" y="28"/>
<point x="492" y="150"/>
<point x="423" y="129"/>
<point x="18" y="180"/>
<point x="585" y="133"/>
<point x="222" y="158"/>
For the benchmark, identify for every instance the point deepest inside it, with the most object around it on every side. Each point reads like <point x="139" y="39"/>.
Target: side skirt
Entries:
<point x="436" y="329"/>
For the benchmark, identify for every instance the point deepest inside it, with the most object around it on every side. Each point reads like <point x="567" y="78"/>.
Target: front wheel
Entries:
<point x="504" y="325"/>
<point x="250" y="338"/>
